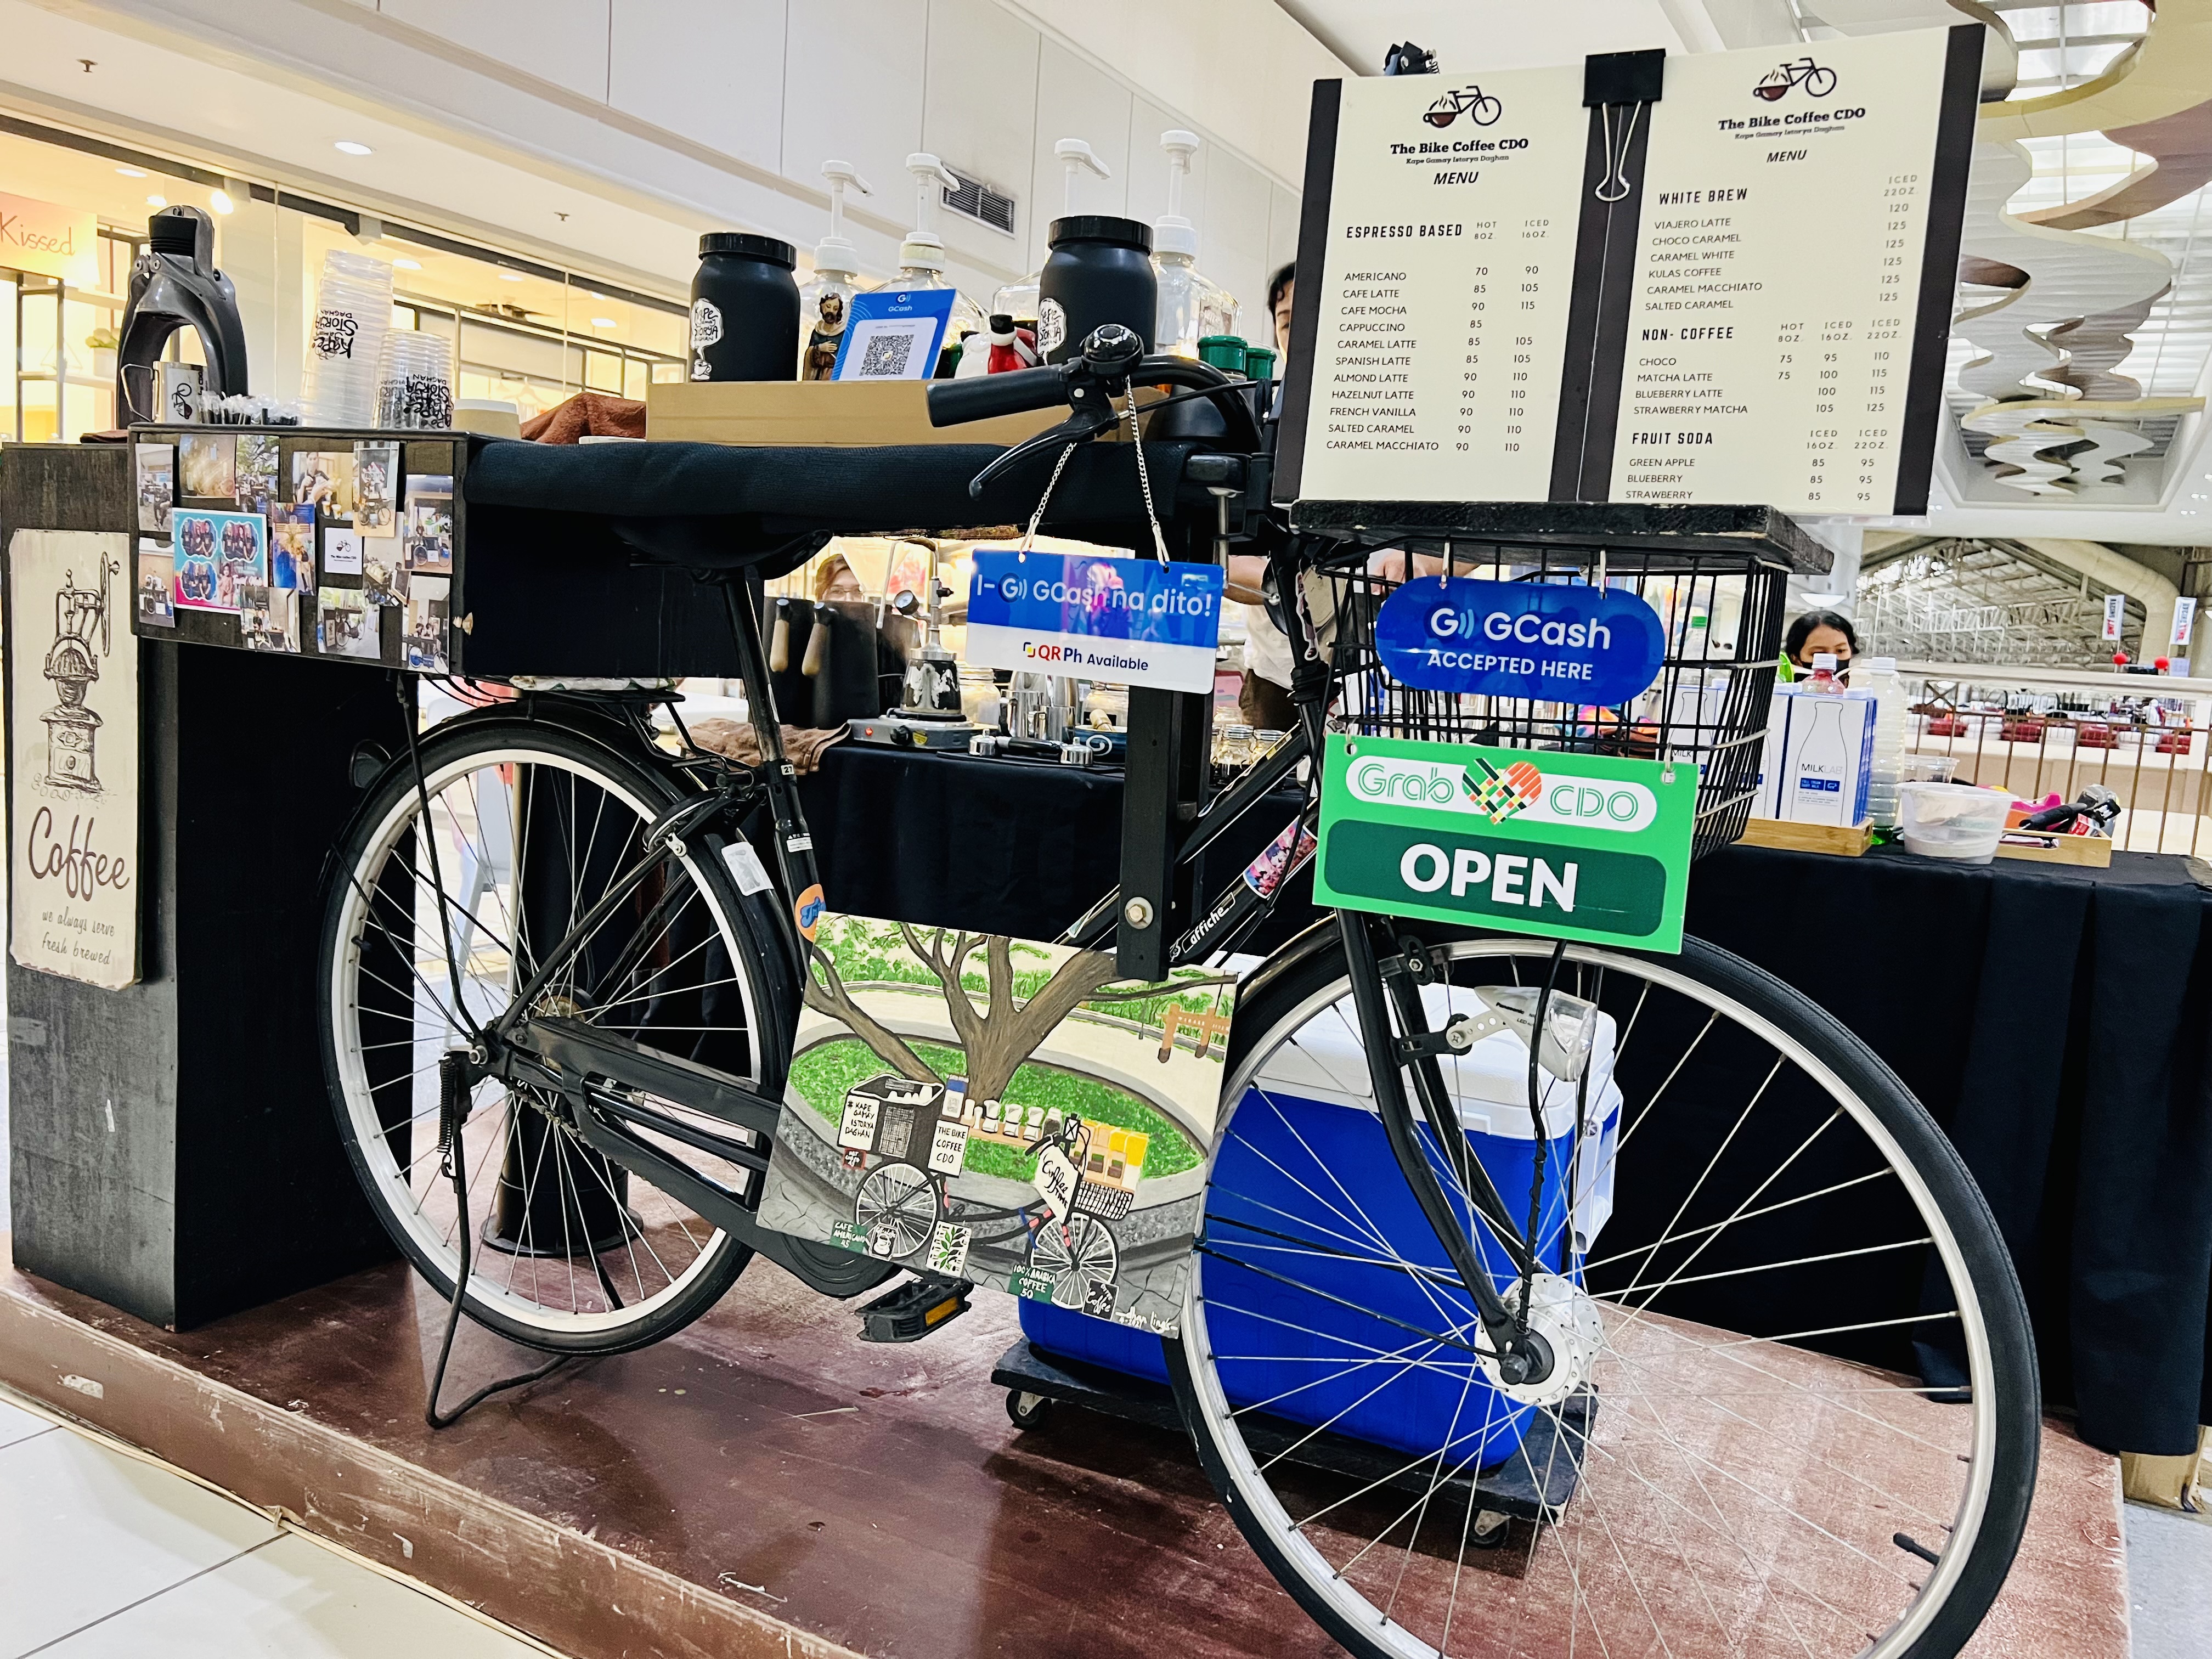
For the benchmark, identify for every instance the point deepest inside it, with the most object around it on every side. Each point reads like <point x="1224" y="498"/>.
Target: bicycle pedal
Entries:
<point x="909" y="1312"/>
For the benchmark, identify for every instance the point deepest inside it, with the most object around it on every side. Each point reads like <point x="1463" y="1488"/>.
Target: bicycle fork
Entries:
<point x="1522" y="1355"/>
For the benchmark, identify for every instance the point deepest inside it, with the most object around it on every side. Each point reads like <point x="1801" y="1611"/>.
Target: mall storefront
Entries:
<point x="523" y="330"/>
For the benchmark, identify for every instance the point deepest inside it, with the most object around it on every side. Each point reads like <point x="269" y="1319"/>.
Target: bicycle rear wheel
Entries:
<point x="531" y="825"/>
<point x="1746" y="1224"/>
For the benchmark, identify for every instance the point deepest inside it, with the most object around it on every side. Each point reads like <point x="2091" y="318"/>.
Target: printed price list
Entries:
<point x="1778" y="269"/>
<point x="1450" y="273"/>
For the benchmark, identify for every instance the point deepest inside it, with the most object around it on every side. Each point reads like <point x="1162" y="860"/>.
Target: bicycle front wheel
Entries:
<point x="1744" y="1224"/>
<point x="529" y="827"/>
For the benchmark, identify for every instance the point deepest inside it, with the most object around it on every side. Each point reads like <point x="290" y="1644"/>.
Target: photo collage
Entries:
<point x="306" y="540"/>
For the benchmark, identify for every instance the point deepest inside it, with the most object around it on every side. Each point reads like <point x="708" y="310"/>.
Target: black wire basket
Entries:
<point x="1722" y="614"/>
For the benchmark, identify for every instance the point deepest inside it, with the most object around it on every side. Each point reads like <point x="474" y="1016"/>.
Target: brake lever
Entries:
<point x="1075" y="429"/>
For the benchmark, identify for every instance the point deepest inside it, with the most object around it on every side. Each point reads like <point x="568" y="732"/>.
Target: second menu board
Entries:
<point x="1538" y="286"/>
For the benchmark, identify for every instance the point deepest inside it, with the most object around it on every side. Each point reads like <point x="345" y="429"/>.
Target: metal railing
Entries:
<point x="2039" y="730"/>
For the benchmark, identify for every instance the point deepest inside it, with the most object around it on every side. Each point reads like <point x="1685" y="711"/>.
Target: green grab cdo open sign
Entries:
<point x="1524" y="841"/>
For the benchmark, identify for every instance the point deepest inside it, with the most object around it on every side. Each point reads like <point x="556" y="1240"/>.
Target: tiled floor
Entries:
<point x="2169" y="1584"/>
<point x="102" y="1556"/>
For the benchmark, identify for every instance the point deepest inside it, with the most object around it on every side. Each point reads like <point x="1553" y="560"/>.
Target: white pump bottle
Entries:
<point x="825" y="302"/>
<point x="922" y="256"/>
<point x="1191" y="308"/>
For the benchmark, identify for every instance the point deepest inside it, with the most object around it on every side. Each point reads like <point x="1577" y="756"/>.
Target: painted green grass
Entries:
<point x="826" y="1071"/>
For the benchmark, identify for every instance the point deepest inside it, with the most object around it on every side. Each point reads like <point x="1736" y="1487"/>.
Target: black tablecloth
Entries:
<point x="2053" y="1019"/>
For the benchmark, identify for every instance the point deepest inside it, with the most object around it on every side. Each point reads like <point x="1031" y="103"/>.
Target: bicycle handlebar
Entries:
<point x="952" y="403"/>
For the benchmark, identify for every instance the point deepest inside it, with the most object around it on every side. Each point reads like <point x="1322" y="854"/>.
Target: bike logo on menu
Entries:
<point x="1557" y="643"/>
<point x="1775" y="84"/>
<point x="1478" y="106"/>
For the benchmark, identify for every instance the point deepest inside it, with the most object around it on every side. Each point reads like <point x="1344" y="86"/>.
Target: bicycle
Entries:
<point x="1817" y="80"/>
<point x="1534" y="1287"/>
<point x="1471" y="101"/>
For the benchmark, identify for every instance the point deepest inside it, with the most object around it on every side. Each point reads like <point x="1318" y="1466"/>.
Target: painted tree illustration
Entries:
<point x="999" y="1036"/>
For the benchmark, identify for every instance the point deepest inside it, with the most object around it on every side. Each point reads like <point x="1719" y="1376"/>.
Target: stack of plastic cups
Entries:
<point x="345" y="343"/>
<point x="416" y="388"/>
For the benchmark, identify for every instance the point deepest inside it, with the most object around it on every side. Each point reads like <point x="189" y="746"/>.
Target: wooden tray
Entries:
<point x="1809" y="837"/>
<point x="2093" y="852"/>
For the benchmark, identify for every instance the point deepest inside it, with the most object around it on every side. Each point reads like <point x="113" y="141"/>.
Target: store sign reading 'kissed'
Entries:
<point x="49" y="241"/>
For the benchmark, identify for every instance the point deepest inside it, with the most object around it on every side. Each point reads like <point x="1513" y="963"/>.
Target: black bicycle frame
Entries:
<point x="566" y="1055"/>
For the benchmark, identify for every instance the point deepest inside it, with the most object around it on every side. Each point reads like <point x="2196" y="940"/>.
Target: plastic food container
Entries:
<point x="1955" y="820"/>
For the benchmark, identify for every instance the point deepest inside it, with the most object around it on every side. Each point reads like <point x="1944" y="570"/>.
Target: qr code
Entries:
<point x="886" y="356"/>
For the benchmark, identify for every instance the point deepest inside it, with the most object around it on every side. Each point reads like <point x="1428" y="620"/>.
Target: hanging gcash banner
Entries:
<point x="1565" y="642"/>
<point x="73" y="726"/>
<point x="1003" y="1112"/>
<point x="1524" y="841"/>
<point x="1133" y="622"/>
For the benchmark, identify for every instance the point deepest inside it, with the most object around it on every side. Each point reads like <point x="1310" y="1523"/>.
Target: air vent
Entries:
<point x="973" y="199"/>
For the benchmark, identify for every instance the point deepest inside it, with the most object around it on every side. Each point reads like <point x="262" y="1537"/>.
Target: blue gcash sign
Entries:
<point x="1130" y="621"/>
<point x="1554" y="643"/>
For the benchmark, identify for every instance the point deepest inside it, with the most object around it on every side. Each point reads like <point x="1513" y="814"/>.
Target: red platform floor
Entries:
<point x="767" y="1484"/>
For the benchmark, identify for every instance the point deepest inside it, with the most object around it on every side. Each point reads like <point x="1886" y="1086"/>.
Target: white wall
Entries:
<point x="649" y="120"/>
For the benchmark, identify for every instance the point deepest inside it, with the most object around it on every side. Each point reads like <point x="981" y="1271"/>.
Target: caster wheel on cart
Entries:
<point x="1490" y="1531"/>
<point x="1028" y="1410"/>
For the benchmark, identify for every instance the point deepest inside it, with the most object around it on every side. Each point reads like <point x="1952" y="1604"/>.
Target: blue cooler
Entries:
<point x="1283" y="1175"/>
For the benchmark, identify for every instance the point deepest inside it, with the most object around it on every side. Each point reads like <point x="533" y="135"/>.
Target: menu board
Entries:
<point x="1450" y="269"/>
<point x="1732" y="283"/>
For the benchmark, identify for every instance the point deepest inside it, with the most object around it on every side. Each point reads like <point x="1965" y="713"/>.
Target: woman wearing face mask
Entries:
<point x="1819" y="633"/>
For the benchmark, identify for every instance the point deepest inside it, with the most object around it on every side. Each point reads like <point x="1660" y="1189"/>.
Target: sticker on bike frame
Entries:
<point x="1004" y="1104"/>
<point x="1129" y="621"/>
<point x="807" y="912"/>
<point x="1555" y="642"/>
<point x="1563" y="846"/>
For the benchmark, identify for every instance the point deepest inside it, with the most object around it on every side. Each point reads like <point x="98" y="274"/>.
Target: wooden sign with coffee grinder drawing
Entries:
<point x="73" y="714"/>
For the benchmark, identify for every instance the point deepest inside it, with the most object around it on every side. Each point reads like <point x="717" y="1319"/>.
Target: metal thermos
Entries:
<point x="1100" y="270"/>
<point x="744" y="309"/>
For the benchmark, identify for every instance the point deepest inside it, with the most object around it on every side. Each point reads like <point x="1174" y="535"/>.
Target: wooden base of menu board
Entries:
<point x="1845" y="842"/>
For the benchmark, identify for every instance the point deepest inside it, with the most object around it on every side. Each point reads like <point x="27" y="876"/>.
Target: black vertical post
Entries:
<point x="1170" y="750"/>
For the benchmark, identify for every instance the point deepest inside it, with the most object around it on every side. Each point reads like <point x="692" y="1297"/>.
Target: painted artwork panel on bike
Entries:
<point x="1002" y="1111"/>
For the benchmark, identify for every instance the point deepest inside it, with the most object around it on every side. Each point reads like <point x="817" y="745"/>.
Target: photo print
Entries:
<point x="254" y="625"/>
<point x="382" y="580"/>
<point x="325" y="478"/>
<point x="215" y="555"/>
<point x="429" y="536"/>
<point x="376" y="485"/>
<point x="156" y="579"/>
<point x="347" y="625"/>
<point x="429" y="602"/>
<point x="156" y="468"/>
<point x="341" y="551"/>
<point x="292" y="548"/>
<point x="257" y="470"/>
<point x="209" y="465"/>
<point x="1001" y="1110"/>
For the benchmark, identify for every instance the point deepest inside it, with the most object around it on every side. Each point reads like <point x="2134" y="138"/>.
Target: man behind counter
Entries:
<point x="1264" y="698"/>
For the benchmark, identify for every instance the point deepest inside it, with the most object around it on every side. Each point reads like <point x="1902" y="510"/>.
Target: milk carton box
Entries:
<point x="1818" y="758"/>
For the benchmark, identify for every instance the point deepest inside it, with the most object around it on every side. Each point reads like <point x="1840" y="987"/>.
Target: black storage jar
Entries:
<point x="744" y="309"/>
<point x="1099" y="270"/>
